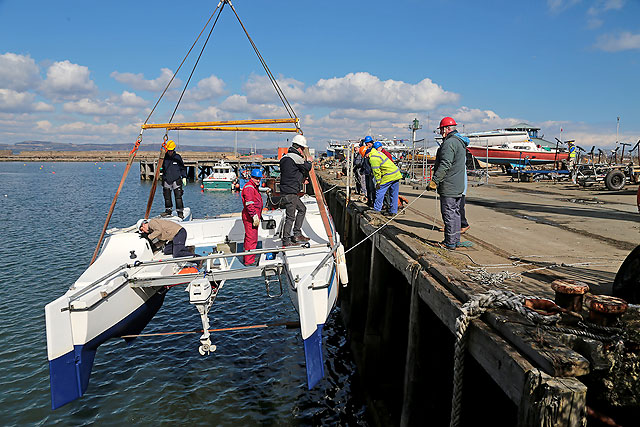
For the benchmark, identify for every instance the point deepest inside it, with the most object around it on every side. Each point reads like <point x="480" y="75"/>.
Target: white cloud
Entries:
<point x="96" y="107"/>
<point x="240" y="104"/>
<point x="259" y="89"/>
<point x="558" y="6"/>
<point x="363" y="90"/>
<point x="129" y="99"/>
<point x="617" y="43"/>
<point x="12" y="101"/>
<point x="68" y="81"/>
<point x="44" y="125"/>
<point x="211" y="114"/>
<point x="208" y="88"/>
<point x="138" y="82"/>
<point x="360" y="114"/>
<point x="18" y="72"/>
<point x="594" y="12"/>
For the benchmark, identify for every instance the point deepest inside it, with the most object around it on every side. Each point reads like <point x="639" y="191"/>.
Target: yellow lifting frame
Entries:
<point x="228" y="125"/>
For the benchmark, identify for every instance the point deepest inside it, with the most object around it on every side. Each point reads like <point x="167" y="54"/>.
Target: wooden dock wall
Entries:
<point x="400" y="309"/>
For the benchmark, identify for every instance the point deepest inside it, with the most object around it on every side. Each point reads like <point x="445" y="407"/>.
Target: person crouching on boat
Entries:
<point x="169" y="232"/>
<point x="251" y="213"/>
<point x="174" y="178"/>
<point x="294" y="170"/>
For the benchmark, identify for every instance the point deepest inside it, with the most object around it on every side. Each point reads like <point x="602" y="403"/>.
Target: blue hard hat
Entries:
<point x="377" y="144"/>
<point x="256" y="173"/>
<point x="368" y="139"/>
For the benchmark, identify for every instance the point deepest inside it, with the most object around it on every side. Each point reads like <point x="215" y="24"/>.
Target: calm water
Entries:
<point x="51" y="215"/>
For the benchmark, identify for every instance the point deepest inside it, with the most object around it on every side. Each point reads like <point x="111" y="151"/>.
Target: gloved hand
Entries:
<point x="256" y="220"/>
<point x="377" y="186"/>
<point x="432" y="186"/>
<point x="184" y="182"/>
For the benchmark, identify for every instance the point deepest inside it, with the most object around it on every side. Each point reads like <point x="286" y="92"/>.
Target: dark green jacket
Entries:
<point x="450" y="166"/>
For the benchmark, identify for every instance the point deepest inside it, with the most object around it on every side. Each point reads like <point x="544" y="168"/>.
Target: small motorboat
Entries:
<point x="222" y="177"/>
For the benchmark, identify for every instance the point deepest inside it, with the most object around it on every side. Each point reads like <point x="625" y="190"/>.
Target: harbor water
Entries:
<point x="51" y="215"/>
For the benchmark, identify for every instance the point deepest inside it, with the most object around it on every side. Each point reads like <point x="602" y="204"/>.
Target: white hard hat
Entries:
<point x="300" y="140"/>
<point x="140" y="222"/>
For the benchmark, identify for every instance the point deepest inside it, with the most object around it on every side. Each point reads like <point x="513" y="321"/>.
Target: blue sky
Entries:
<point x="89" y="72"/>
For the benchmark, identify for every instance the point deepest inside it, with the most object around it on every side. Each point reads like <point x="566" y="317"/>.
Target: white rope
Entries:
<point x="385" y="224"/>
<point x="472" y="309"/>
<point x="326" y="191"/>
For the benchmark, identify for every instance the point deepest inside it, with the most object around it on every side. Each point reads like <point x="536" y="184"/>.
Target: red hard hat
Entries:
<point x="363" y="150"/>
<point x="447" y="121"/>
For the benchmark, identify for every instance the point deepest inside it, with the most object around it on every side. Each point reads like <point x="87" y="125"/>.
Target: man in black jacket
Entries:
<point x="174" y="177"/>
<point x="294" y="170"/>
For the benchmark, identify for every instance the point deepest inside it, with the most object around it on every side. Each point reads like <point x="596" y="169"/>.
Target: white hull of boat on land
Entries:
<point x="124" y="288"/>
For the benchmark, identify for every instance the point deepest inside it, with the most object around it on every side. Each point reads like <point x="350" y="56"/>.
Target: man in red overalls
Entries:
<point x="251" y="213"/>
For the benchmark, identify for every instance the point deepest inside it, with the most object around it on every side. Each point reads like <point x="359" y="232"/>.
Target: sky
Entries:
<point x="91" y="71"/>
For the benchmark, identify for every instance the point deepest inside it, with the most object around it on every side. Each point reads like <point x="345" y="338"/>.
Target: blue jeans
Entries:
<point x="450" y="210"/>
<point x="394" y="187"/>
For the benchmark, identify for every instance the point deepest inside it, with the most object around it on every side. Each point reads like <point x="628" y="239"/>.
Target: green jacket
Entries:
<point x="450" y="166"/>
<point x="383" y="169"/>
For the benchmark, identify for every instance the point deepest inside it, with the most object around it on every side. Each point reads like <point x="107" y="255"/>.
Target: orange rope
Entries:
<point x="235" y="328"/>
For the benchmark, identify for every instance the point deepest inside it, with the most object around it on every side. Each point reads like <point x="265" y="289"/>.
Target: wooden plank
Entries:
<point x="552" y="402"/>
<point x="555" y="358"/>
<point x="501" y="361"/>
<point x="544" y="348"/>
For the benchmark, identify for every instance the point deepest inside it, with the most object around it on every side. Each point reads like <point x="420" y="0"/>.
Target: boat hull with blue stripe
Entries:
<point x="119" y="294"/>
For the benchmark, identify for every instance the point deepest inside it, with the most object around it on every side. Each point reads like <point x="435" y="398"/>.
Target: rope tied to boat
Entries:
<point x="473" y="309"/>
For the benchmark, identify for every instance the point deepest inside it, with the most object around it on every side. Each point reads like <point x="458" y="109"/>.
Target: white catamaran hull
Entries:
<point x="125" y="287"/>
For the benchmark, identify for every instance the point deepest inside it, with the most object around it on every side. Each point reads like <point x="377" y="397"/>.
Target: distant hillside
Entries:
<point x="63" y="146"/>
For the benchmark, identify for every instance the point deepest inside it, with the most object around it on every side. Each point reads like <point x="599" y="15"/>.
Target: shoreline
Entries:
<point x="118" y="156"/>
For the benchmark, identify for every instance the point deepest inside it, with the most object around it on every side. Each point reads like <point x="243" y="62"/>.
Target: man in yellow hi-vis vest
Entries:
<point x="386" y="175"/>
<point x="572" y="154"/>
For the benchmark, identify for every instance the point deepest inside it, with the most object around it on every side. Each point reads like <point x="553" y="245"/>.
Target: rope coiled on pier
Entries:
<point x="473" y="309"/>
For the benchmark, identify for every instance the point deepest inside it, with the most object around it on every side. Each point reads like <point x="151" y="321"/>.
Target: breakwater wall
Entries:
<point x="400" y="310"/>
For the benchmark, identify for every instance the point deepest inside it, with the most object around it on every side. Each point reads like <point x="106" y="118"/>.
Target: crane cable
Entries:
<point x="183" y="61"/>
<point x="274" y="82"/>
<point x="197" y="60"/>
<point x="134" y="151"/>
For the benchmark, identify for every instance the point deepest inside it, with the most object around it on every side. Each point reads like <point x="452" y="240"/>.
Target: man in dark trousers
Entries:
<point x="368" y="174"/>
<point x="172" y="234"/>
<point x="174" y="177"/>
<point x="449" y="179"/>
<point x="294" y="170"/>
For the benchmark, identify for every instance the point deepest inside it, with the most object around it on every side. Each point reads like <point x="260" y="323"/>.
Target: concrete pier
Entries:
<point x="405" y="294"/>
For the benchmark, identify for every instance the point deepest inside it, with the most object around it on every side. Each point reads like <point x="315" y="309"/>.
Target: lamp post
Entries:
<point x="415" y="125"/>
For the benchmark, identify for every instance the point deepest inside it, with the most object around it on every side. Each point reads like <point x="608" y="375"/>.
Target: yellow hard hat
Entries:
<point x="171" y="145"/>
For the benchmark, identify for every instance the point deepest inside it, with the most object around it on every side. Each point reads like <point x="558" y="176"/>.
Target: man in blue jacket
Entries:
<point x="449" y="179"/>
<point x="294" y="170"/>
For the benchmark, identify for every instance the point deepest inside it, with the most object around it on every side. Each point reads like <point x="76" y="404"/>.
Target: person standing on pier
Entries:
<point x="449" y="180"/>
<point x="367" y="142"/>
<point x="387" y="177"/>
<point x="294" y="170"/>
<point x="174" y="178"/>
<point x="251" y="213"/>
